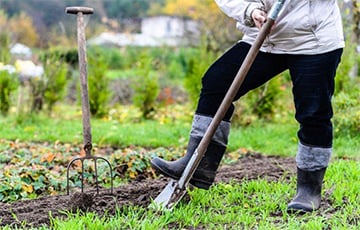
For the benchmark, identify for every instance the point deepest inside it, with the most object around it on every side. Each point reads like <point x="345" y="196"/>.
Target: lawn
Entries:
<point x="169" y="129"/>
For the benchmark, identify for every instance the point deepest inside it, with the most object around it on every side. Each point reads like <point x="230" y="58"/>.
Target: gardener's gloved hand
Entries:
<point x="259" y="17"/>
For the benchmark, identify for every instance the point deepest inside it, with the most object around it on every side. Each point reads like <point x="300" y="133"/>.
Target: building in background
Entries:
<point x="155" y="31"/>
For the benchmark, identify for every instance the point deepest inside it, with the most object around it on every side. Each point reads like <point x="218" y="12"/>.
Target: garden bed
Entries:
<point x="36" y="212"/>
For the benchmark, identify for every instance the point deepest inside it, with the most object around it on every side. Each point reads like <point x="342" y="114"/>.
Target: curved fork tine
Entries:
<point x="95" y="158"/>
<point x="111" y="171"/>
<point x="67" y="173"/>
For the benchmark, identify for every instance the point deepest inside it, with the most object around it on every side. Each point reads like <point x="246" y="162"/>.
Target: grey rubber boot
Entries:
<point x="205" y="173"/>
<point x="308" y="187"/>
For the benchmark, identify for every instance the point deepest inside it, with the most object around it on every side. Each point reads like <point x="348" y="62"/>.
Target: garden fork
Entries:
<point x="80" y="12"/>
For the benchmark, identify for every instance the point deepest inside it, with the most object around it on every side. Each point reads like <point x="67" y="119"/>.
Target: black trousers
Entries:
<point x="313" y="87"/>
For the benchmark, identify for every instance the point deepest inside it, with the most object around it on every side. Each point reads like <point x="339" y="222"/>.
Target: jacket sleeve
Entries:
<point x="240" y="10"/>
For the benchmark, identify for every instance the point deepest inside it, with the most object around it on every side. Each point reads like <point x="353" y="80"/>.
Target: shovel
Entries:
<point x="175" y="190"/>
<point x="80" y="12"/>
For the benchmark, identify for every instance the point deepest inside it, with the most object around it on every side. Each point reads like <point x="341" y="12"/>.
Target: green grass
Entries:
<point x="281" y="139"/>
<point x="257" y="204"/>
<point x="266" y="138"/>
<point x="147" y="133"/>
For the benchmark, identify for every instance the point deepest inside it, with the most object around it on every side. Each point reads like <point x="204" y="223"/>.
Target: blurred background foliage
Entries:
<point x="148" y="77"/>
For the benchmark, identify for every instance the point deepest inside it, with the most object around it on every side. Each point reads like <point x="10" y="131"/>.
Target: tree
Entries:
<point x="126" y="8"/>
<point x="22" y="29"/>
<point x="218" y="28"/>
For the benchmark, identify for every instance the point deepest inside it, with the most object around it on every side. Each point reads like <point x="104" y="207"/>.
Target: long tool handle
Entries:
<point x="230" y="95"/>
<point x="85" y="105"/>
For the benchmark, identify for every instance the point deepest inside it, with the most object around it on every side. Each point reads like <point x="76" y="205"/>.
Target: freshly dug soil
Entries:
<point x="36" y="212"/>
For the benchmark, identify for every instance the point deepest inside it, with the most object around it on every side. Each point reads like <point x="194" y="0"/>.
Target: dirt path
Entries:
<point x="36" y="212"/>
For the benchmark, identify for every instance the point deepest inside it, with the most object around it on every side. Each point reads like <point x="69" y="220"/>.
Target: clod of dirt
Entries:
<point x="80" y="201"/>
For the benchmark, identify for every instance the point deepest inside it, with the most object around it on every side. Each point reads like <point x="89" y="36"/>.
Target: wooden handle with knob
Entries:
<point x="79" y="9"/>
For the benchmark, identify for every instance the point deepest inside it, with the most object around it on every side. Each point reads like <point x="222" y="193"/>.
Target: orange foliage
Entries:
<point x="194" y="9"/>
<point x="23" y="29"/>
<point x="20" y="28"/>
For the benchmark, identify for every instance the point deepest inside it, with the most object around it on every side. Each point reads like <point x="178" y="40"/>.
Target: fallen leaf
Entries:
<point x="27" y="188"/>
<point x="48" y="157"/>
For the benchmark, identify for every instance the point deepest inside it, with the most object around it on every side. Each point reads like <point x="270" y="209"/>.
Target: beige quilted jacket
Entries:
<point x="302" y="27"/>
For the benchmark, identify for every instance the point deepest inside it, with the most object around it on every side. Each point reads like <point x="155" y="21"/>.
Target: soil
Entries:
<point x="36" y="212"/>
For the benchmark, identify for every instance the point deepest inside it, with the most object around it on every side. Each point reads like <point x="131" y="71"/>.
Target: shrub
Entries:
<point x="5" y="55"/>
<point x="146" y="86"/>
<point x="261" y="103"/>
<point x="347" y="112"/>
<point x="69" y="56"/>
<point x="179" y="63"/>
<point x="55" y="79"/>
<point x="50" y="87"/>
<point x="175" y="70"/>
<point x="348" y="60"/>
<point x="196" y="66"/>
<point x="8" y="83"/>
<point x="131" y="56"/>
<point x="346" y="101"/>
<point x="111" y="56"/>
<point x="98" y="83"/>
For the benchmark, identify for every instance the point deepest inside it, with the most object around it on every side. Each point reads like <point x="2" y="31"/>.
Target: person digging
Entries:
<point x="307" y="40"/>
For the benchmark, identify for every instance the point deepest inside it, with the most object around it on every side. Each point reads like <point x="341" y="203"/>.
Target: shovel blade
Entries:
<point x="170" y="195"/>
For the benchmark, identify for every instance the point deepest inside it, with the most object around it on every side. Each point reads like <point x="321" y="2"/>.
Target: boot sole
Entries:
<point x="193" y="181"/>
<point x="299" y="208"/>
